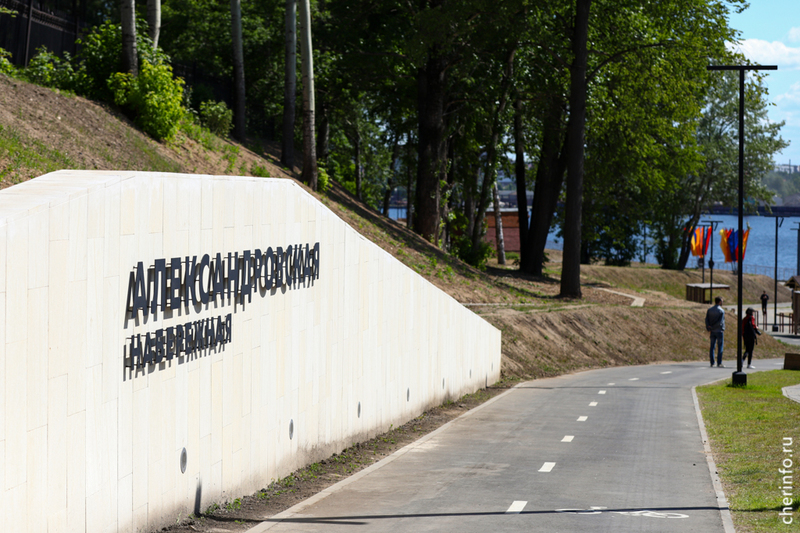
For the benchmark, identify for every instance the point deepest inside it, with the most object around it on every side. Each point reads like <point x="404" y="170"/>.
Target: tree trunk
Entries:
<point x="238" y="70"/>
<point x="387" y="193"/>
<point x="154" y="20"/>
<point x="309" y="144"/>
<point x="571" y="265"/>
<point x="471" y="197"/>
<point x="431" y="88"/>
<point x="498" y="226"/>
<point x="130" y="59"/>
<point x="323" y="133"/>
<point x="519" y="176"/>
<point x="409" y="186"/>
<point x="289" y="84"/>
<point x="549" y="178"/>
<point x="357" y="158"/>
<point x="490" y="172"/>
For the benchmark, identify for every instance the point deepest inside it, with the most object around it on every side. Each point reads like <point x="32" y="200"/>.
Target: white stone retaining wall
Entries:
<point x="90" y="444"/>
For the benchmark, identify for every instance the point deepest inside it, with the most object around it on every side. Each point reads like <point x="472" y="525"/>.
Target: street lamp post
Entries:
<point x="714" y="224"/>
<point x="775" y="303"/>
<point x="739" y="377"/>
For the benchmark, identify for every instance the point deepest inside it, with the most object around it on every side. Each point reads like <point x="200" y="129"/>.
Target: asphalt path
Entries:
<point x="617" y="449"/>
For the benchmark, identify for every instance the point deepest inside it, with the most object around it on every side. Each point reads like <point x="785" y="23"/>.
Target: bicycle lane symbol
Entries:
<point x="645" y="513"/>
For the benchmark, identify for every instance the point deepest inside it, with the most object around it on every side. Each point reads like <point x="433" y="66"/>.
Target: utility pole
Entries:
<point x="739" y="377"/>
<point x="775" y="302"/>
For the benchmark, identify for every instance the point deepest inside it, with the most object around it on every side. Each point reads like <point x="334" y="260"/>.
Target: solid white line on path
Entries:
<point x="568" y="438"/>
<point x="593" y="404"/>
<point x="517" y="507"/>
<point x="582" y="418"/>
<point x="611" y="384"/>
<point x="667" y="372"/>
<point x="634" y="379"/>
<point x="547" y="467"/>
<point x="601" y="392"/>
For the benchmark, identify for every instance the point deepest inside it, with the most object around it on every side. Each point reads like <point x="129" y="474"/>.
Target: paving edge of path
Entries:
<point x="272" y="521"/>
<point x="792" y="392"/>
<point x="637" y="301"/>
<point x="722" y="501"/>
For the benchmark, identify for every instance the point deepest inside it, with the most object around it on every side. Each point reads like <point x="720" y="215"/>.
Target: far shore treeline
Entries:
<point x="599" y="106"/>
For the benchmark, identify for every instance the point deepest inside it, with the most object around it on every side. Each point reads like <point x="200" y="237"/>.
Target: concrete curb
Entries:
<point x="793" y="393"/>
<point x="295" y="510"/>
<point x="724" y="510"/>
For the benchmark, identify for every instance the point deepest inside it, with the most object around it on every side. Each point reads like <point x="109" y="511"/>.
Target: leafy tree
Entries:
<point x="717" y="136"/>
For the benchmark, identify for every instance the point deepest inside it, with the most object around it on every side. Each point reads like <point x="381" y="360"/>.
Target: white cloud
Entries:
<point x="794" y="35"/>
<point x="770" y="53"/>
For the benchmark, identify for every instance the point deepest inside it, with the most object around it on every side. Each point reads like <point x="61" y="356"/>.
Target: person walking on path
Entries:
<point x="764" y="300"/>
<point x="715" y="325"/>
<point x="749" y="333"/>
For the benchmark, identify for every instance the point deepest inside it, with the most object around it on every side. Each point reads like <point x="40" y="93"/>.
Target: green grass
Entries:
<point x="747" y="428"/>
<point x="19" y="156"/>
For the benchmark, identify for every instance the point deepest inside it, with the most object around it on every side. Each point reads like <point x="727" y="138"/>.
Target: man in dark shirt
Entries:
<point x="715" y="325"/>
<point x="764" y="300"/>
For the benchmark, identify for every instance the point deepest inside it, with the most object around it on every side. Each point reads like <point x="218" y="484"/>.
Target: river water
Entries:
<point x="760" y="252"/>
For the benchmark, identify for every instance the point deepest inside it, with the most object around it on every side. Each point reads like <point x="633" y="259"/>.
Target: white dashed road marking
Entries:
<point x="592" y="404"/>
<point x="568" y="438"/>
<point x="601" y="392"/>
<point x="547" y="467"/>
<point x="517" y="507"/>
<point x="634" y="379"/>
<point x="667" y="372"/>
<point x="582" y="418"/>
<point x="611" y="384"/>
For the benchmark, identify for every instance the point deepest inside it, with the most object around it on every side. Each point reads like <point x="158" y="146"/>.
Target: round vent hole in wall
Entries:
<point x="183" y="461"/>
<point x="291" y="429"/>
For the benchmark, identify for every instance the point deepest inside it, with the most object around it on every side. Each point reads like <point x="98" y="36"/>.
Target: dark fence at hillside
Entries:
<point x="34" y="26"/>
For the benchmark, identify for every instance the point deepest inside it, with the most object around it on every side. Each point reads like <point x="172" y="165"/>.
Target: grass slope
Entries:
<point x="754" y="432"/>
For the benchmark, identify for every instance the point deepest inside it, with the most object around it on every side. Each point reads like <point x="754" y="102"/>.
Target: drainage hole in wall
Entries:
<point x="408" y="394"/>
<point x="183" y="461"/>
<point x="291" y="429"/>
<point x="359" y="409"/>
<point x="442" y="382"/>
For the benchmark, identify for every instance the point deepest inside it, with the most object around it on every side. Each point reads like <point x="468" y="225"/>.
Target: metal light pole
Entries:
<point x="775" y="303"/>
<point x="739" y="377"/>
<point x="714" y="224"/>
<point x="703" y="244"/>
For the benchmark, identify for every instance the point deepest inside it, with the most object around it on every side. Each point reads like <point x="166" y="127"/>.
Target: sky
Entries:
<point x="770" y="35"/>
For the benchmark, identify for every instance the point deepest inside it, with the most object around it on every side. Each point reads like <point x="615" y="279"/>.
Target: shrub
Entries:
<point x="216" y="117"/>
<point x="49" y="70"/>
<point x="100" y="57"/>
<point x="6" y="67"/>
<point x="322" y="180"/>
<point x="154" y="98"/>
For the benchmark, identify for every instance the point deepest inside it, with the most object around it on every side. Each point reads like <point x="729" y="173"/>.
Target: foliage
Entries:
<point x="323" y="181"/>
<point x="216" y="117"/>
<point x="462" y="246"/>
<point x="154" y="97"/>
<point x="782" y="184"/>
<point x="47" y="69"/>
<point x="100" y="57"/>
<point x="6" y="67"/>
